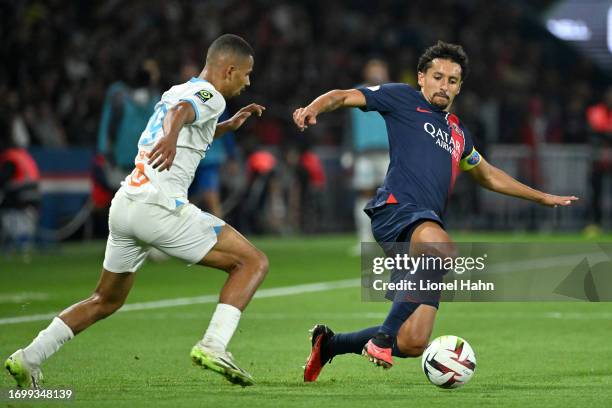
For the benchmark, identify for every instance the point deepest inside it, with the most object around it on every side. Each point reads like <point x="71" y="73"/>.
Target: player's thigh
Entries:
<point x="430" y="231"/>
<point x="186" y="233"/>
<point x="417" y="329"/>
<point x="233" y="249"/>
<point x="198" y="237"/>
<point x="124" y="252"/>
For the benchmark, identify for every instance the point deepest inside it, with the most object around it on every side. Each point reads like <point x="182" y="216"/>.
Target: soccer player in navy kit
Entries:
<point x="428" y="147"/>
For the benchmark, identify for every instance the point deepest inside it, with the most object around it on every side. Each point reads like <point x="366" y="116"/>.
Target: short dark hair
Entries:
<point x="231" y="44"/>
<point x="448" y="51"/>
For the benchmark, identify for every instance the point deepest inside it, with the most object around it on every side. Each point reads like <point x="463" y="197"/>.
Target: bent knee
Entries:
<point x="254" y="261"/>
<point x="105" y="305"/>
<point x="260" y="262"/>
<point x="439" y="247"/>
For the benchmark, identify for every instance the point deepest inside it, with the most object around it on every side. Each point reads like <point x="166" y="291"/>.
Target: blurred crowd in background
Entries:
<point x="525" y="87"/>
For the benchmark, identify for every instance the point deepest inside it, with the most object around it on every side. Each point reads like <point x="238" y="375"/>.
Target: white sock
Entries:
<point x="47" y="342"/>
<point x="222" y="326"/>
<point x="362" y="221"/>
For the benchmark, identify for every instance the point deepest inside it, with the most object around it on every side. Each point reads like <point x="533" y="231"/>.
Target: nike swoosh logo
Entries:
<point x="419" y="109"/>
<point x="228" y="363"/>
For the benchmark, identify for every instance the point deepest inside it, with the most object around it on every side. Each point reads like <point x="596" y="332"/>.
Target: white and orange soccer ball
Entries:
<point x="449" y="362"/>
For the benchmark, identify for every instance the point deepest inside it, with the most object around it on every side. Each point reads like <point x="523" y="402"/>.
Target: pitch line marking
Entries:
<point x="197" y="300"/>
<point x="310" y="288"/>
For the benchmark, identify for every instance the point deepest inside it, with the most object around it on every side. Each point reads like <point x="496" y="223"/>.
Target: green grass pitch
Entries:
<point x="529" y="354"/>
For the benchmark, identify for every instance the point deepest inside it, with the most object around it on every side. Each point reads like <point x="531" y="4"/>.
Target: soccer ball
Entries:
<point x="449" y="362"/>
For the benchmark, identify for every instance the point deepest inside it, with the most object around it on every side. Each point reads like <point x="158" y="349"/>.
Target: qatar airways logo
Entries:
<point x="445" y="140"/>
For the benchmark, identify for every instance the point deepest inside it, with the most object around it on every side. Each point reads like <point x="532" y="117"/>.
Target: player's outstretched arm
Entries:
<point x="162" y="155"/>
<point x="238" y="119"/>
<point x="330" y="101"/>
<point x="494" y="179"/>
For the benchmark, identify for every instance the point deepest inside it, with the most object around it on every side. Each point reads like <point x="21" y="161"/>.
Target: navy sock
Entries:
<point x="399" y="313"/>
<point x="402" y="308"/>
<point x="344" y="343"/>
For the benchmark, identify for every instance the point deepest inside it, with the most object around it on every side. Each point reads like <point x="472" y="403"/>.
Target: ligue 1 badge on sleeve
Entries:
<point x="204" y="95"/>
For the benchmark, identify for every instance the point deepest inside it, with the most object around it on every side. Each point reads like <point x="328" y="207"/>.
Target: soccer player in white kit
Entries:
<point x="151" y="210"/>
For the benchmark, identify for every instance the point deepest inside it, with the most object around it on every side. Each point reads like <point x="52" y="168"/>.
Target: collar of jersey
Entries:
<point x="194" y="79"/>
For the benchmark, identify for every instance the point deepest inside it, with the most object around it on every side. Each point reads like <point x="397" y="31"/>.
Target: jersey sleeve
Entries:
<point x="384" y="98"/>
<point x="470" y="157"/>
<point x="207" y="104"/>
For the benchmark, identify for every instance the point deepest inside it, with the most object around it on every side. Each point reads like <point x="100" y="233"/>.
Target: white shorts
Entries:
<point x="186" y="233"/>
<point x="370" y="170"/>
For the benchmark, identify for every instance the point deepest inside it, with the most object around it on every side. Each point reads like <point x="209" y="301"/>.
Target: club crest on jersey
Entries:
<point x="456" y="128"/>
<point x="204" y="95"/>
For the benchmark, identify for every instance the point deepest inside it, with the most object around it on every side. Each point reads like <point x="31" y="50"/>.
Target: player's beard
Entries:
<point x="440" y="101"/>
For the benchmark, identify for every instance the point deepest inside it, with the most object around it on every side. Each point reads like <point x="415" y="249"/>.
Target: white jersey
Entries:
<point x="168" y="188"/>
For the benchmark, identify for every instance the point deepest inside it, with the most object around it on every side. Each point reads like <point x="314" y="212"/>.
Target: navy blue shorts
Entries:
<point x="396" y="222"/>
<point x="393" y="224"/>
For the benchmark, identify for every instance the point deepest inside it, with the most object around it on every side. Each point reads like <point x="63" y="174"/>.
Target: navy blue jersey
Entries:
<point x="427" y="145"/>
